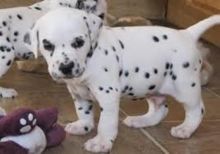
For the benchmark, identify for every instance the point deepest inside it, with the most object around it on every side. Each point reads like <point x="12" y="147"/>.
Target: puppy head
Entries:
<point x="65" y="38"/>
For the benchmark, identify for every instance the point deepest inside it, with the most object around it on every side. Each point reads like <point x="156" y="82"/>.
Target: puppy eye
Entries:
<point x="48" y="45"/>
<point x="78" y="42"/>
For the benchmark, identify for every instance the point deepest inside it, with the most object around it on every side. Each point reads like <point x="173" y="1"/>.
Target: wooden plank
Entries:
<point x="153" y="9"/>
<point x="184" y="13"/>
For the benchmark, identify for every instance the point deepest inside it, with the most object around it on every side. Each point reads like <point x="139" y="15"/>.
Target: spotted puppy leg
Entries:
<point x="108" y="122"/>
<point x="188" y="89"/>
<point x="84" y="110"/>
<point x="157" y="111"/>
<point x="7" y="56"/>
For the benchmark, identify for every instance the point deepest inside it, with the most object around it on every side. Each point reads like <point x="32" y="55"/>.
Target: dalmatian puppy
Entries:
<point x="105" y="64"/>
<point x="14" y="23"/>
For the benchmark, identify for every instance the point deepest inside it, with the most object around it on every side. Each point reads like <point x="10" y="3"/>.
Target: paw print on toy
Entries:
<point x="26" y="131"/>
<point x="27" y="123"/>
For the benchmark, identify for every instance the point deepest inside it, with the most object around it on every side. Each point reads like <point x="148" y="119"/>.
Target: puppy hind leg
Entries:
<point x="193" y="118"/>
<point x="158" y="110"/>
<point x="189" y="94"/>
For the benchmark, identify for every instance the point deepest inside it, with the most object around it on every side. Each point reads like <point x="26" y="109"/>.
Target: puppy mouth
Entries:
<point x="74" y="76"/>
<point x="56" y="77"/>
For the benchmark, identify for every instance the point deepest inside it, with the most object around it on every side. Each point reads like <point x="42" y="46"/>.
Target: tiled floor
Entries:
<point x="38" y="91"/>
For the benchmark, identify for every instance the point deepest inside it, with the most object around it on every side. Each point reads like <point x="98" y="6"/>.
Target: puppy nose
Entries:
<point x="66" y="68"/>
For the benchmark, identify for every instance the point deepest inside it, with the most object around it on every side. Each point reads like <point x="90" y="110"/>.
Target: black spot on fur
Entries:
<point x="19" y="17"/>
<point x="102" y="16"/>
<point x="80" y="108"/>
<point x="202" y="111"/>
<point x="8" y="39"/>
<point x="174" y="77"/>
<point x="90" y="107"/>
<point x="126" y="73"/>
<point x="106" y="52"/>
<point x="155" y="71"/>
<point x="147" y="75"/>
<point x="131" y="94"/>
<point x="3" y="48"/>
<point x="165" y="37"/>
<point x="193" y="84"/>
<point x="165" y="74"/>
<point x="1" y="33"/>
<point x="117" y="58"/>
<point x="113" y="48"/>
<point x="48" y="45"/>
<point x="3" y="57"/>
<point x="171" y="66"/>
<point x="121" y="44"/>
<point x="130" y="89"/>
<point x="152" y="87"/>
<point x="171" y="73"/>
<point x="90" y="54"/>
<point x="8" y="50"/>
<point x="37" y="8"/>
<point x="156" y="39"/>
<point x="8" y="63"/>
<point x="167" y="66"/>
<point x="186" y="65"/>
<point x="136" y="69"/>
<point x="78" y="42"/>
<point x="4" y="23"/>
<point x="101" y="88"/>
<point x="120" y="72"/>
<point x="16" y="33"/>
<point x="86" y="129"/>
<point x="105" y="69"/>
<point x="87" y="112"/>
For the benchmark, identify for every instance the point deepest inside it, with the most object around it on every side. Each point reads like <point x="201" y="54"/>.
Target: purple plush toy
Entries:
<point x="25" y="131"/>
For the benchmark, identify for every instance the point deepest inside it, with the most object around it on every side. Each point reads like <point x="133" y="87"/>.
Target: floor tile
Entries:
<point x="205" y="140"/>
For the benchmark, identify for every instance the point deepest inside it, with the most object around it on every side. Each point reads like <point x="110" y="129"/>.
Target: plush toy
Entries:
<point x="25" y="131"/>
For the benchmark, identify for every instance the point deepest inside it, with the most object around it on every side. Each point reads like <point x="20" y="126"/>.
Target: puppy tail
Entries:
<point x="198" y="29"/>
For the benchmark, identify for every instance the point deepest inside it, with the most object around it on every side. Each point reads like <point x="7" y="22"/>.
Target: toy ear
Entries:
<point x="31" y="40"/>
<point x="94" y="25"/>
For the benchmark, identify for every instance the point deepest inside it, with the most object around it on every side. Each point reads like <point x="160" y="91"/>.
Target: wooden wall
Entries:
<point x="184" y="13"/>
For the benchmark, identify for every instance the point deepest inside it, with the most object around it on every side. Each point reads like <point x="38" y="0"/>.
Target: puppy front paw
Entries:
<point x="79" y="127"/>
<point x="2" y="112"/>
<point x="181" y="131"/>
<point x="99" y="144"/>
<point x="8" y="93"/>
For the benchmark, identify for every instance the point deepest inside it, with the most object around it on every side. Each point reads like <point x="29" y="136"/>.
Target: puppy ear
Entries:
<point x="94" y="25"/>
<point x="31" y="40"/>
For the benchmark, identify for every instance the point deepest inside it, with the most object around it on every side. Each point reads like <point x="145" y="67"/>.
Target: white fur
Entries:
<point x="35" y="141"/>
<point x="2" y="112"/>
<point x="147" y="48"/>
